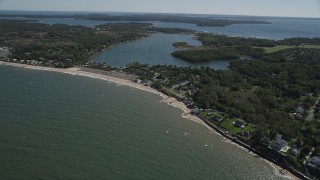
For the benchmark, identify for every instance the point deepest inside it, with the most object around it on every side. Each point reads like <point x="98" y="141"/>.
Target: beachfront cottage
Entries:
<point x="279" y="144"/>
<point x="239" y="123"/>
<point x="217" y="119"/>
<point x="314" y="161"/>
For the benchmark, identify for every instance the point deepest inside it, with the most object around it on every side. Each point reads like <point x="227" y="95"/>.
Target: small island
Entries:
<point x="181" y="45"/>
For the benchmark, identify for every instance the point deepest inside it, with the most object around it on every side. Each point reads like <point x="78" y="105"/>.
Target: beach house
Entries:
<point x="314" y="162"/>
<point x="239" y="123"/>
<point x="279" y="144"/>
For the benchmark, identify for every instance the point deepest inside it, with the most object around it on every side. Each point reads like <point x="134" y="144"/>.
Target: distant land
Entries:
<point x="70" y="13"/>
<point x="200" y="21"/>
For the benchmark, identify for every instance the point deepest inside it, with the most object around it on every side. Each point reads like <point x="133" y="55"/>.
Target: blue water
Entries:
<point x="279" y="28"/>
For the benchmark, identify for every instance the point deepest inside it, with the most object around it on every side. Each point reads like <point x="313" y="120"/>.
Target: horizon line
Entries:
<point x="178" y="13"/>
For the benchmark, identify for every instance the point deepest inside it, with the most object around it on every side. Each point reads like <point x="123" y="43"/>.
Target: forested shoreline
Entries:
<point x="221" y="47"/>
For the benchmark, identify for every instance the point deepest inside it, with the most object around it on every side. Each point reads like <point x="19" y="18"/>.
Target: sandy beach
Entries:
<point x="166" y="99"/>
<point x="77" y="71"/>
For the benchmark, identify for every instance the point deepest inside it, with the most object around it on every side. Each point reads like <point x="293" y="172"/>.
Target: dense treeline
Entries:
<point x="125" y="27"/>
<point x="223" y="47"/>
<point x="223" y="40"/>
<point x="172" y="30"/>
<point x="219" y="53"/>
<point x="297" y="41"/>
<point x="206" y="55"/>
<point x="64" y="46"/>
<point x="298" y="55"/>
<point x="141" y="28"/>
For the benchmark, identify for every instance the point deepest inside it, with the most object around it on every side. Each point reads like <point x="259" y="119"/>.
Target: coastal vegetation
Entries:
<point x="61" y="45"/>
<point x="221" y="47"/>
<point x="283" y="47"/>
<point x="65" y="46"/>
<point x="181" y="45"/>
<point x="206" y="55"/>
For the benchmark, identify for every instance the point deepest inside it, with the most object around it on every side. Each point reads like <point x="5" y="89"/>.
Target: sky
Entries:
<point x="287" y="8"/>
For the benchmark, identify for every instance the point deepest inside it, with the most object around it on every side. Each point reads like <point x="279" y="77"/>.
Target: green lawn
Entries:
<point x="311" y="46"/>
<point x="269" y="50"/>
<point x="170" y="91"/>
<point x="234" y="130"/>
<point x="226" y="123"/>
<point x="209" y="114"/>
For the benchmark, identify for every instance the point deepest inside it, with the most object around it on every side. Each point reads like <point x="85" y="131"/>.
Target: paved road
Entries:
<point x="311" y="114"/>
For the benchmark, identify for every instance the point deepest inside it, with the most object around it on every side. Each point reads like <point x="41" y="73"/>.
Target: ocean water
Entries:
<point x="57" y="126"/>
<point x="280" y="28"/>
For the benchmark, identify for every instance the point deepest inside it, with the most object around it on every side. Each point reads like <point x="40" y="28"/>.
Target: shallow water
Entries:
<point x="153" y="50"/>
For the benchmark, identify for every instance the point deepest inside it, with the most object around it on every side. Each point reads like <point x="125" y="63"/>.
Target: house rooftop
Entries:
<point x="314" y="161"/>
<point x="280" y="145"/>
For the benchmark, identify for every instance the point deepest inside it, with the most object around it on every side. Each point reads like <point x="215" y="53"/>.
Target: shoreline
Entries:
<point x="171" y="101"/>
<point x="76" y="71"/>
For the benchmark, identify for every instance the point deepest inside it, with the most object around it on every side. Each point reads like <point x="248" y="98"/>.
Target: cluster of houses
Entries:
<point x="30" y="62"/>
<point x="281" y="145"/>
<point x="238" y="123"/>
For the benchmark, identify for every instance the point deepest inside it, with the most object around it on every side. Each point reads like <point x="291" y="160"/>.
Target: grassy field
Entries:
<point x="234" y="130"/>
<point x="174" y="93"/>
<point x="283" y="47"/>
<point x="312" y="46"/>
<point x="210" y="114"/>
<point x="277" y="48"/>
<point x="226" y="123"/>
